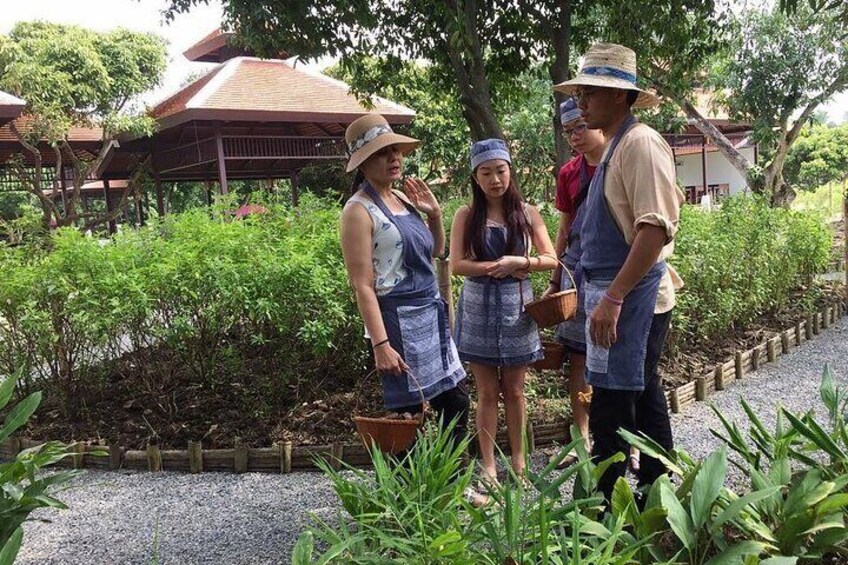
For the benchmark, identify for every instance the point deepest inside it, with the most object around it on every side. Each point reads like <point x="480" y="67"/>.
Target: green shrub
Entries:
<point x="24" y="486"/>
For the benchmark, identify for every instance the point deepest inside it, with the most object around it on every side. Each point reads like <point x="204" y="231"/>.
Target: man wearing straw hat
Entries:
<point x="630" y="218"/>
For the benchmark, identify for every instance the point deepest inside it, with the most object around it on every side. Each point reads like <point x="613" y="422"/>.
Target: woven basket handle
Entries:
<point x="567" y="270"/>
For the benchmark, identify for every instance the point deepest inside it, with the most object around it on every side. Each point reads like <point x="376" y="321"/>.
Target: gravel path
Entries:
<point x="121" y="517"/>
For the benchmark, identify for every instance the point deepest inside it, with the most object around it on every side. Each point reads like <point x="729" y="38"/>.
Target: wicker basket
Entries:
<point x="554" y="357"/>
<point x="390" y="435"/>
<point x="554" y="308"/>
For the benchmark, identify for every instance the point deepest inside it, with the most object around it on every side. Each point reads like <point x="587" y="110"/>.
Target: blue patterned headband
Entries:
<point x="568" y="111"/>
<point x="487" y="150"/>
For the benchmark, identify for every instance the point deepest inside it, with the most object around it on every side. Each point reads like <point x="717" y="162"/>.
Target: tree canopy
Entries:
<point x="70" y="76"/>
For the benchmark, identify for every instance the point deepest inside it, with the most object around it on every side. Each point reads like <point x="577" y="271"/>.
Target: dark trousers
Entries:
<point x="451" y="405"/>
<point x="643" y="411"/>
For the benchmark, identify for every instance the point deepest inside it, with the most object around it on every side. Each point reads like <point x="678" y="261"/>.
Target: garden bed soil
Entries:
<point x="122" y="413"/>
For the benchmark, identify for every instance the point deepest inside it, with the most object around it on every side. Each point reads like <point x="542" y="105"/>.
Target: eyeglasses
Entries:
<point x="583" y="96"/>
<point x="576" y="130"/>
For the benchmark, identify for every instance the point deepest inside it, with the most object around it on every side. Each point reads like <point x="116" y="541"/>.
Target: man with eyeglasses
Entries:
<point x="630" y="218"/>
<point x="572" y="187"/>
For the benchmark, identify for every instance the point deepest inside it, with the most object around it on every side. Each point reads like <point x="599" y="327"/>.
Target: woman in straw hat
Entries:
<point x="388" y="251"/>
<point x="491" y="241"/>
<point x="630" y="218"/>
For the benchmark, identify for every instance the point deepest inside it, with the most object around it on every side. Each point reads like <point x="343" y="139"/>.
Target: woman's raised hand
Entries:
<point x="422" y="197"/>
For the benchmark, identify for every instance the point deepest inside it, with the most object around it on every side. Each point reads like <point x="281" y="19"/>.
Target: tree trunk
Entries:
<point x="560" y="72"/>
<point x="466" y="58"/>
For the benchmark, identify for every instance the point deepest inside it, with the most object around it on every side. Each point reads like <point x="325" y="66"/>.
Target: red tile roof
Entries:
<point x="76" y="134"/>
<point x="250" y="89"/>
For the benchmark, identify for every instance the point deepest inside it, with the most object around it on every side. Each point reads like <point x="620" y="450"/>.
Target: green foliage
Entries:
<point x="780" y="64"/>
<point x="194" y="294"/>
<point x="71" y="76"/>
<point x="414" y="511"/>
<point x="804" y="470"/>
<point x="742" y="261"/>
<point x="23" y="485"/>
<point x="820" y="156"/>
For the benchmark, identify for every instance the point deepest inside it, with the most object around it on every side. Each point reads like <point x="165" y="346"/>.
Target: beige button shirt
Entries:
<point x="641" y="188"/>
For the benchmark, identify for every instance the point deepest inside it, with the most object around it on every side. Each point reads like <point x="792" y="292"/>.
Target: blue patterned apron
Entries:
<point x="605" y="250"/>
<point x="492" y="327"/>
<point x="415" y="317"/>
<point x="572" y="333"/>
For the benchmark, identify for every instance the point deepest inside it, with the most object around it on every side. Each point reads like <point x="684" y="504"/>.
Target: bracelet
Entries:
<point x="376" y="345"/>
<point x="615" y="301"/>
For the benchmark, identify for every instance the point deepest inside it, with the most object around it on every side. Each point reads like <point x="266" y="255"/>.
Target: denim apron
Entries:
<point x="492" y="327"/>
<point x="415" y="317"/>
<point x="622" y="366"/>
<point x="572" y="332"/>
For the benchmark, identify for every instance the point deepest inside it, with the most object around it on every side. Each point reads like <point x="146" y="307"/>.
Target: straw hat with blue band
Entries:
<point x="370" y="133"/>
<point x="488" y="149"/>
<point x="608" y="65"/>
<point x="568" y="111"/>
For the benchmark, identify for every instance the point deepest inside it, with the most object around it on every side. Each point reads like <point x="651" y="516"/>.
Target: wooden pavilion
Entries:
<point x="245" y="119"/>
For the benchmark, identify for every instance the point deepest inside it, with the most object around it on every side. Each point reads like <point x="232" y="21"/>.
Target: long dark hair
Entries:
<point x="517" y="227"/>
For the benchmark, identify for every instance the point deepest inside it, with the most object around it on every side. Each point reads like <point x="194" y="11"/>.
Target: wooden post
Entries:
<point x="755" y="358"/>
<point x="531" y="440"/>
<point x="817" y="323"/>
<point x="107" y="194"/>
<point x="826" y="317"/>
<point x="443" y="273"/>
<point x="808" y="329"/>
<point x="79" y="455"/>
<point x="154" y="458"/>
<point x="285" y="457"/>
<point x="700" y="388"/>
<point x="337" y="454"/>
<point x="719" y="377"/>
<point x="798" y="333"/>
<point x="222" y="166"/>
<point x="195" y="456"/>
<point x="240" y="457"/>
<point x="771" y="351"/>
<point x="295" y="188"/>
<point x="784" y="342"/>
<point x="675" y="401"/>
<point x="157" y="182"/>
<point x="116" y="455"/>
<point x="740" y="372"/>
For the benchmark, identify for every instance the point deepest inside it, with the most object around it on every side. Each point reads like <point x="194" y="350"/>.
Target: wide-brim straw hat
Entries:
<point x="370" y="133"/>
<point x="609" y="66"/>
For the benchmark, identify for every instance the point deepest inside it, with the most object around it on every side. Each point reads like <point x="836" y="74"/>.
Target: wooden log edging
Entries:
<point x="744" y="362"/>
<point x="286" y="458"/>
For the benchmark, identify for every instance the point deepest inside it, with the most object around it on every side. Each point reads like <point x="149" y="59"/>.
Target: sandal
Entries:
<point x="567" y="461"/>
<point x="634" y="464"/>
<point x="475" y="498"/>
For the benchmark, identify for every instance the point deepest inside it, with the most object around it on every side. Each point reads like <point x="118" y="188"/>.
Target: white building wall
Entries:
<point x="719" y="170"/>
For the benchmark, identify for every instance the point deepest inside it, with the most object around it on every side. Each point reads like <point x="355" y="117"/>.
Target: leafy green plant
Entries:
<point x="23" y="487"/>
<point x="705" y="518"/>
